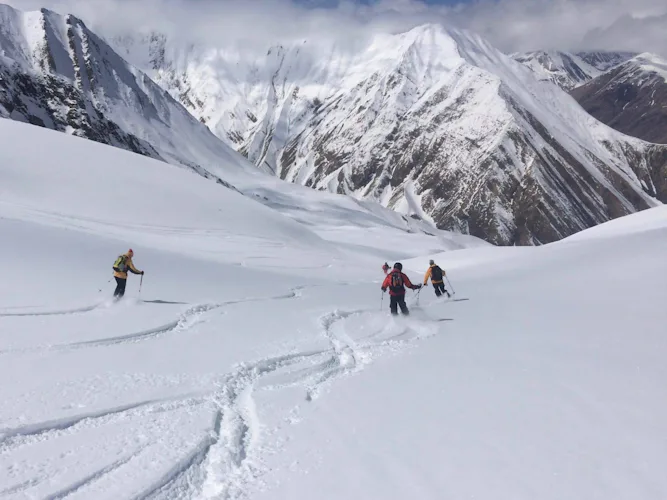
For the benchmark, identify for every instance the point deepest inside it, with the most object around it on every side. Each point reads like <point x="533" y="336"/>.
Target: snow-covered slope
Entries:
<point x="631" y="98"/>
<point x="544" y="386"/>
<point x="433" y="123"/>
<point x="567" y="69"/>
<point x="259" y="360"/>
<point x="56" y="73"/>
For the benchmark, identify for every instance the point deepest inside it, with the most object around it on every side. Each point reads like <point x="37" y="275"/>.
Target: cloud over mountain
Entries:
<point x="512" y="25"/>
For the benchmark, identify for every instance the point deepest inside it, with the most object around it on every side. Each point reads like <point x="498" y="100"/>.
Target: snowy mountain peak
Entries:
<point x="58" y="74"/>
<point x="652" y="63"/>
<point x="567" y="69"/>
<point x="434" y="123"/>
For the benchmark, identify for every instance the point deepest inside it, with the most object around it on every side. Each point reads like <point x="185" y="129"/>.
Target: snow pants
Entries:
<point x="439" y="288"/>
<point x="120" y="287"/>
<point x="396" y="301"/>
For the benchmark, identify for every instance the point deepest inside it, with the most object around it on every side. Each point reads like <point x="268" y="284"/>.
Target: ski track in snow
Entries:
<point x="228" y="458"/>
<point x="52" y="313"/>
<point x="11" y="439"/>
<point x="95" y="476"/>
<point x="225" y="463"/>
<point x="186" y="320"/>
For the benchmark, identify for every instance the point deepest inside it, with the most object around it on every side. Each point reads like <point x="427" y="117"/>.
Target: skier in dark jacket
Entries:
<point x="396" y="281"/>
<point x="436" y="274"/>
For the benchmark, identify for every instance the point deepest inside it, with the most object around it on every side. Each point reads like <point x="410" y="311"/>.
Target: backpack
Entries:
<point x="396" y="285"/>
<point x="436" y="273"/>
<point x="120" y="264"/>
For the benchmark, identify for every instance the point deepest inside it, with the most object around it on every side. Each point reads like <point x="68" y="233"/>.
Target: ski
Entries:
<point x="157" y="301"/>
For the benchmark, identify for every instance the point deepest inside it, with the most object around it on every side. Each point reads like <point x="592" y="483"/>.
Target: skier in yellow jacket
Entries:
<point x="436" y="274"/>
<point x="122" y="265"/>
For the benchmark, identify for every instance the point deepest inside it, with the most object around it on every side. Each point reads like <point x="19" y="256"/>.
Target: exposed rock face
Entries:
<point x="56" y="73"/>
<point x="632" y="98"/>
<point x="433" y="123"/>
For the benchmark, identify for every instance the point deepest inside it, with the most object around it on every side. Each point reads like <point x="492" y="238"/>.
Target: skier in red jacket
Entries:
<point x="396" y="281"/>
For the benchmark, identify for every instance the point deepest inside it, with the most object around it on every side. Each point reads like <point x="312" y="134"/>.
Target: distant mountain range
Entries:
<point x="569" y="70"/>
<point x="434" y="123"/>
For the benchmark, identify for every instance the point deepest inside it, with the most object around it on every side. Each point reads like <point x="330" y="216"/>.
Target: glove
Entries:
<point x="142" y="273"/>
<point x="384" y="290"/>
<point x="418" y="287"/>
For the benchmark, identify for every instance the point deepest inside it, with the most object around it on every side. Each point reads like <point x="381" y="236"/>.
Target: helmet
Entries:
<point x="431" y="262"/>
<point x="130" y="252"/>
<point x="398" y="266"/>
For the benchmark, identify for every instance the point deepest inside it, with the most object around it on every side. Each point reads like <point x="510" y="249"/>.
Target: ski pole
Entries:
<point x="107" y="284"/>
<point x="418" y="292"/>
<point x="450" y="285"/>
<point x="141" y="281"/>
<point x="381" y="299"/>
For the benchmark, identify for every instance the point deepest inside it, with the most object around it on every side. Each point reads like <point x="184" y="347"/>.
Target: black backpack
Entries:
<point x="436" y="273"/>
<point x="396" y="282"/>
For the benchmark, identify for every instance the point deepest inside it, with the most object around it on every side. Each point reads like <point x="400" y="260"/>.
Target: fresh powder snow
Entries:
<point x="259" y="360"/>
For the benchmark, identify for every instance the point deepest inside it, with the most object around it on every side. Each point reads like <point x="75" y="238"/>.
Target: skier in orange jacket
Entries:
<point x="436" y="274"/>
<point x="122" y="265"/>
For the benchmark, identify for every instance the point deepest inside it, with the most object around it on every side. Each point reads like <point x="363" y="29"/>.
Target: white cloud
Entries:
<point x="570" y="24"/>
<point x="512" y="25"/>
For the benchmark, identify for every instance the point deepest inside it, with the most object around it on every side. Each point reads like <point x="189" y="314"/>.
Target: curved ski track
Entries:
<point x="226" y="460"/>
<point x="185" y="321"/>
<point x="51" y="313"/>
<point x="229" y="459"/>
